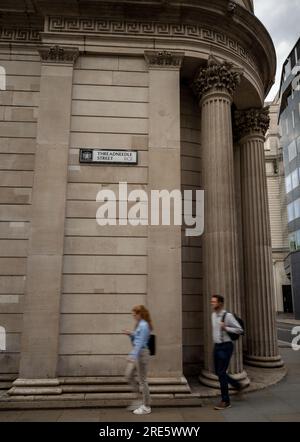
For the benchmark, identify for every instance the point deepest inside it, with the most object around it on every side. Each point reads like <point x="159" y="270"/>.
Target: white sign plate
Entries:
<point x="108" y="156"/>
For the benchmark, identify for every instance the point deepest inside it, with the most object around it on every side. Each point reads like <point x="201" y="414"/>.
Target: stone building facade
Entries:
<point x="183" y="84"/>
<point x="278" y="209"/>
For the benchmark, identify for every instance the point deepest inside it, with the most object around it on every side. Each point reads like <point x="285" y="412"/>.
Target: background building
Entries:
<point x="278" y="210"/>
<point x="167" y="79"/>
<point x="289" y="119"/>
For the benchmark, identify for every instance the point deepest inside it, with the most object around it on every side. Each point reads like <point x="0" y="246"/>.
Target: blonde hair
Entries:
<point x="144" y="313"/>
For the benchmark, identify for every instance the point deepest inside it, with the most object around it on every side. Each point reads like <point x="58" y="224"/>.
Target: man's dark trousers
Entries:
<point x="222" y="356"/>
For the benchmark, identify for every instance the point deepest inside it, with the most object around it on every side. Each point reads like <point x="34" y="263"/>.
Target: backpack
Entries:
<point x="235" y="336"/>
<point x="151" y="345"/>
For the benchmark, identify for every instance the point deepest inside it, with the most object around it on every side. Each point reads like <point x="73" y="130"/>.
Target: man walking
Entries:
<point x="223" y="323"/>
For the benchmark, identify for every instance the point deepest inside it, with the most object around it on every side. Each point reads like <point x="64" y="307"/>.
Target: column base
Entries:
<point x="211" y="380"/>
<point x="264" y="361"/>
<point x="32" y="387"/>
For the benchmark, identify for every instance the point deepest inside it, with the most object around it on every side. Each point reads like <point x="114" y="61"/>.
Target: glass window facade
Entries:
<point x="289" y="120"/>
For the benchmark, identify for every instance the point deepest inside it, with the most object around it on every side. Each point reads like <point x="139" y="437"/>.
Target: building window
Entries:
<point x="285" y="158"/>
<point x="298" y="240"/>
<point x="287" y="69"/>
<point x="297" y="208"/>
<point x="288" y="183"/>
<point x="293" y="119"/>
<point x="295" y="179"/>
<point x="291" y="215"/>
<point x="292" y="150"/>
<point x="292" y="242"/>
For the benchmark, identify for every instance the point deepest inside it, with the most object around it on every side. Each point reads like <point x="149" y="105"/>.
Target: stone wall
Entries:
<point x="18" y="121"/>
<point x="191" y="246"/>
<point x="105" y="268"/>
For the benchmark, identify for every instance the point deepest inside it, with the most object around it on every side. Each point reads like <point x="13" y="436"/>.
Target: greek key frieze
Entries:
<point x="114" y="27"/>
<point x="20" y="35"/>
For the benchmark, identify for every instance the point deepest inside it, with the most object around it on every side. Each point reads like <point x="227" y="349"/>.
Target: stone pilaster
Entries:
<point x="40" y="333"/>
<point x="214" y="86"/>
<point x="164" y="242"/>
<point x="262" y="349"/>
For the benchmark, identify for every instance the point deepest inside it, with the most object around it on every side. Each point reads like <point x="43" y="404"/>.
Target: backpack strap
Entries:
<point x="223" y="320"/>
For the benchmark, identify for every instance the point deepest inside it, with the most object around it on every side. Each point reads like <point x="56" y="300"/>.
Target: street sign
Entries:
<point x="108" y="156"/>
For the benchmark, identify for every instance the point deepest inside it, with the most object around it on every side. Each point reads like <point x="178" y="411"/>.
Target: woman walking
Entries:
<point x="138" y="358"/>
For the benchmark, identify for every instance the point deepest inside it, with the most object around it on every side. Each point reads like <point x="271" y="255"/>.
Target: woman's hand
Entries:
<point x="126" y="332"/>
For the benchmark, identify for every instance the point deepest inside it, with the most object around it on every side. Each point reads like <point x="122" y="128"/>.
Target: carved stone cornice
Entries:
<point x="58" y="54"/>
<point x="147" y="29"/>
<point x="216" y="76"/>
<point x="20" y="35"/>
<point x="251" y="122"/>
<point x="163" y="59"/>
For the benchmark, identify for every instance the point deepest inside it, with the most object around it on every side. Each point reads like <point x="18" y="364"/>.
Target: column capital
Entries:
<point x="58" y="54"/>
<point x="222" y="76"/>
<point x="251" y="122"/>
<point x="163" y="59"/>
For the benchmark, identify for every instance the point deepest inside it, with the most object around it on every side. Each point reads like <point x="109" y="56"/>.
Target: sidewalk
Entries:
<point x="280" y="403"/>
<point x="287" y="318"/>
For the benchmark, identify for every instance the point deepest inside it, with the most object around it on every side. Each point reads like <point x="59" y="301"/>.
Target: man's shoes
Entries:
<point x="142" y="410"/>
<point x="222" y="405"/>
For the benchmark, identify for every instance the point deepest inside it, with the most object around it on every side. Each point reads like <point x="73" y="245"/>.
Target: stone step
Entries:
<point x="92" y="400"/>
<point x="5" y="385"/>
<point x="119" y="380"/>
<point x="58" y="386"/>
<point x="8" y="377"/>
<point x="123" y="388"/>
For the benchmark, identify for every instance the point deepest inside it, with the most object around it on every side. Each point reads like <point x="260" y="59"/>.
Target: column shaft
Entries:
<point x="220" y="246"/>
<point x="262" y="349"/>
<point x="214" y="86"/>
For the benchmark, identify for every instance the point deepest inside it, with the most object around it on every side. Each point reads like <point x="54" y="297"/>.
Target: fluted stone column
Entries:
<point x="40" y="333"/>
<point x="262" y="348"/>
<point x="214" y="86"/>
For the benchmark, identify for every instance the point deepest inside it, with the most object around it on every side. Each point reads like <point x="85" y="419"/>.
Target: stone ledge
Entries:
<point x="118" y="380"/>
<point x="122" y="388"/>
<point x="101" y="385"/>
<point x="78" y="401"/>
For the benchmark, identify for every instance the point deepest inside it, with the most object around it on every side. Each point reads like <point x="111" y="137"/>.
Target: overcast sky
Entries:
<point x="282" y="20"/>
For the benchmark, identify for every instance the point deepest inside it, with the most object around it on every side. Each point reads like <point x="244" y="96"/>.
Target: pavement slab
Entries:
<point x="278" y="403"/>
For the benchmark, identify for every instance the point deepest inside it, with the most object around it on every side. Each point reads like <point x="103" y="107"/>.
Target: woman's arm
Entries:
<point x="141" y="339"/>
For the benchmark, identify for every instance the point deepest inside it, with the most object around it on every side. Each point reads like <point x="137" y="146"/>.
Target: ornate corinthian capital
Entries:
<point x="164" y="59"/>
<point x="251" y="121"/>
<point x="58" y="54"/>
<point x="216" y="75"/>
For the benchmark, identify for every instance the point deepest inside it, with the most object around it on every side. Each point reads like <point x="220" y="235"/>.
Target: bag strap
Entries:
<point x="223" y="320"/>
